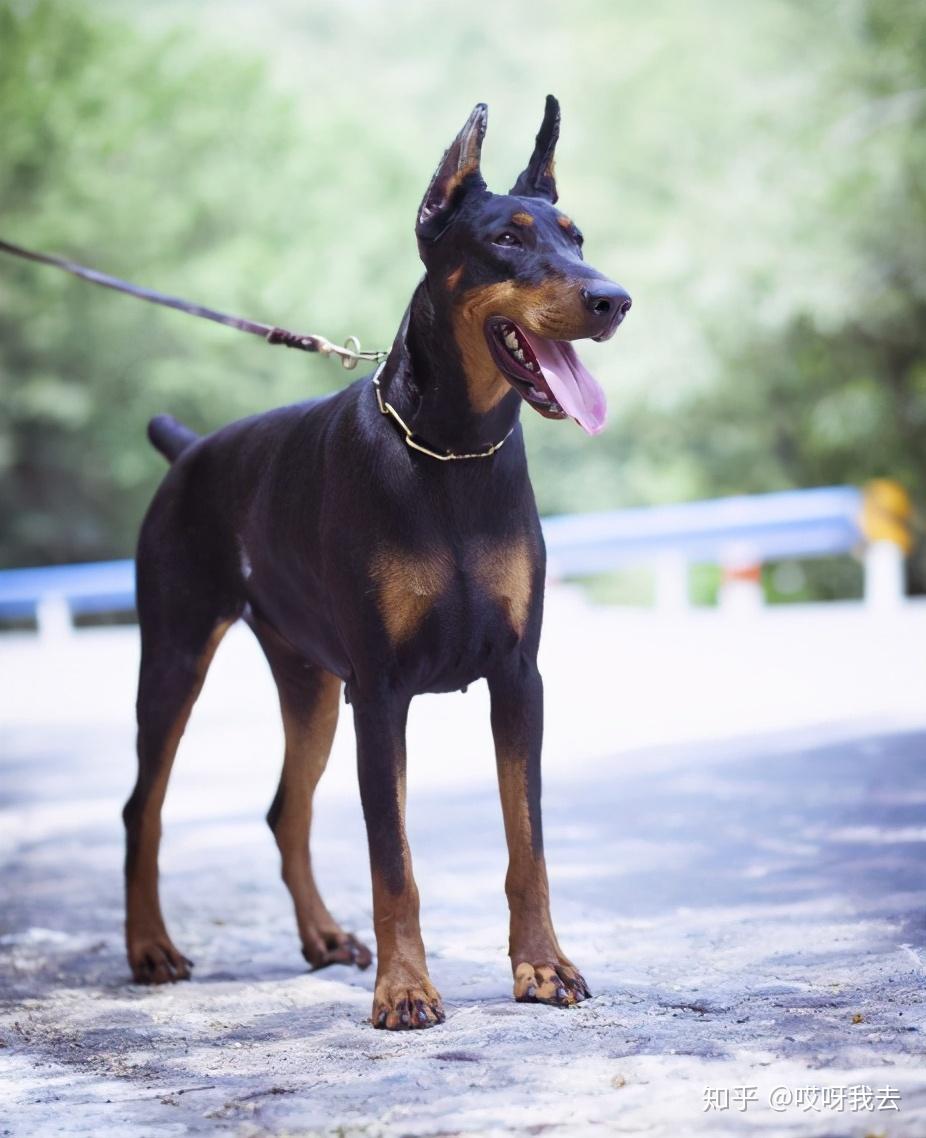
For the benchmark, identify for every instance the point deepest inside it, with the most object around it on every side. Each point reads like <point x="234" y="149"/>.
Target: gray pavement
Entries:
<point x="749" y="914"/>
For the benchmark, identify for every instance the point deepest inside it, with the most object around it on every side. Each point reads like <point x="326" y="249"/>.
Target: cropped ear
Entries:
<point x="537" y="179"/>
<point x="458" y="172"/>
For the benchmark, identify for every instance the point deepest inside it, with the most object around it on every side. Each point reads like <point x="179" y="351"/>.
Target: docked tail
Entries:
<point x="169" y="436"/>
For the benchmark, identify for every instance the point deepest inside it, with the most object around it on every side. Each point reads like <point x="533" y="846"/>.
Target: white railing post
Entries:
<point x="741" y="590"/>
<point x="885" y="584"/>
<point x="671" y="573"/>
<point x="53" y="616"/>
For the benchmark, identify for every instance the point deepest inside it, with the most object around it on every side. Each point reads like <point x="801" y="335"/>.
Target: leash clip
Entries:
<point x="350" y="354"/>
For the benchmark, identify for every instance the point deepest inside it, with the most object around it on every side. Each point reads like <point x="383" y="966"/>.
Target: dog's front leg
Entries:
<point x="404" y="996"/>
<point x="542" y="973"/>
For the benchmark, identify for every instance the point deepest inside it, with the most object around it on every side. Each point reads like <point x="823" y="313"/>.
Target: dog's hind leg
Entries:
<point x="309" y="698"/>
<point x="181" y="626"/>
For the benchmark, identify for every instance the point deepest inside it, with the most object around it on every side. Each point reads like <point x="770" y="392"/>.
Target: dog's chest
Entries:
<point x="465" y="590"/>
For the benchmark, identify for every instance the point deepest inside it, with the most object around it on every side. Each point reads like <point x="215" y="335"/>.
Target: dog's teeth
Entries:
<point x="519" y="355"/>
<point x="511" y="340"/>
<point x="529" y="366"/>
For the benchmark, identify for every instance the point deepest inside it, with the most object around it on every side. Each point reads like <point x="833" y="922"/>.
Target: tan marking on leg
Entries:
<point x="309" y="732"/>
<point x="408" y="586"/>
<point x="542" y="972"/>
<point x="526" y="885"/>
<point x="404" y="996"/>
<point x="507" y="573"/>
<point x="522" y="217"/>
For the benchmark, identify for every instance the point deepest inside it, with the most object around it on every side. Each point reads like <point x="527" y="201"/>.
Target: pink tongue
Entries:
<point x="573" y="386"/>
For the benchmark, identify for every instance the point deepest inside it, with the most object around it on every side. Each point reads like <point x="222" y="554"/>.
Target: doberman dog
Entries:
<point x="384" y="537"/>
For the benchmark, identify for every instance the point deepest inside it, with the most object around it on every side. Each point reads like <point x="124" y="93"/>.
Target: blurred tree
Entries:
<point x="835" y="392"/>
<point x="754" y="177"/>
<point x="173" y="164"/>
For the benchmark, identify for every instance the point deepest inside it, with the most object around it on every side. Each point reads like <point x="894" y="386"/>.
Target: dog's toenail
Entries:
<point x="532" y="991"/>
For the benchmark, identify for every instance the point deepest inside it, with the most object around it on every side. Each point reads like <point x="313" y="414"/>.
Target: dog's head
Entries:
<point x="509" y="268"/>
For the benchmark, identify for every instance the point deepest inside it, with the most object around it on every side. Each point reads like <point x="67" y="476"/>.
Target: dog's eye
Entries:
<point x="511" y="240"/>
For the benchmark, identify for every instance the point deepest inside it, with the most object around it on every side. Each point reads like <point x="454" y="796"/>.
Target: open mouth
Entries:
<point x="547" y="374"/>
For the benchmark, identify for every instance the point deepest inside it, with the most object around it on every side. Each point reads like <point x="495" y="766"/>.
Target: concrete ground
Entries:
<point x="736" y="827"/>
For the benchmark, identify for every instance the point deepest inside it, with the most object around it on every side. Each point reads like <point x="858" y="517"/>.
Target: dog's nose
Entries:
<point x="608" y="303"/>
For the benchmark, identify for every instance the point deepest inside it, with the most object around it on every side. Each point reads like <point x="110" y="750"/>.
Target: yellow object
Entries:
<point x="887" y="513"/>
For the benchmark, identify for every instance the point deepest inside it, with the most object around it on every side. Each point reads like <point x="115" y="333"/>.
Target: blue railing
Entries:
<point x="737" y="532"/>
<point x="763" y="527"/>
<point x="92" y="587"/>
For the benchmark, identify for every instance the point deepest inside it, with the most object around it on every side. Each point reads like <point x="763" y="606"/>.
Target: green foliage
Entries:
<point x="754" y="175"/>
<point x="835" y="391"/>
<point x="103" y="155"/>
<point x="174" y="165"/>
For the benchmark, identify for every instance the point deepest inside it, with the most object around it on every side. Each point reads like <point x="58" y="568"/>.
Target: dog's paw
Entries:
<point x="155" y="960"/>
<point x="399" y="1006"/>
<point x="559" y="984"/>
<point x="338" y="947"/>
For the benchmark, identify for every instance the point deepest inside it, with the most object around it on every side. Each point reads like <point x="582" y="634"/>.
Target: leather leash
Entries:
<point x="350" y="354"/>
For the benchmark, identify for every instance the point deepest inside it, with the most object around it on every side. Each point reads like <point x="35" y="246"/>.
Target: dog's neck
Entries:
<point x="426" y="380"/>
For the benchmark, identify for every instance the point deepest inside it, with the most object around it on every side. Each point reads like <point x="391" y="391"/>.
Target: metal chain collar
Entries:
<point x="419" y="444"/>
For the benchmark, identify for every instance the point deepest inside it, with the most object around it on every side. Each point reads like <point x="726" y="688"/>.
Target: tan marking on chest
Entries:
<point x="506" y="572"/>
<point x="407" y="588"/>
